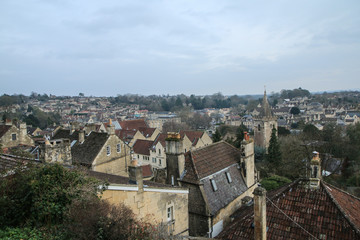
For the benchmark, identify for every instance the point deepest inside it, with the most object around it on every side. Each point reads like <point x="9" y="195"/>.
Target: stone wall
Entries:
<point x="117" y="162"/>
<point x="57" y="150"/>
<point x="152" y="206"/>
<point x="15" y="136"/>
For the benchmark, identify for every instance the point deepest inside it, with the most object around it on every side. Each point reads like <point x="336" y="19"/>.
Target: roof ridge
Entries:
<point x="339" y="207"/>
<point x="194" y="166"/>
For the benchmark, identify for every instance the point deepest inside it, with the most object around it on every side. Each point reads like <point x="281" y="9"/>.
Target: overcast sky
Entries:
<point x="110" y="47"/>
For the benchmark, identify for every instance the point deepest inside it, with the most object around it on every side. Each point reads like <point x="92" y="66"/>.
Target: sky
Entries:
<point x="111" y="47"/>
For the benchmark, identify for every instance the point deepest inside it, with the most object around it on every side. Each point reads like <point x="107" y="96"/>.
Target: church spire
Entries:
<point x="266" y="110"/>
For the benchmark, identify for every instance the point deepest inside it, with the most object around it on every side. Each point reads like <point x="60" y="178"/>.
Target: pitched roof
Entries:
<point x="193" y="136"/>
<point x="146" y="170"/>
<point x="86" y="152"/>
<point x="4" y="129"/>
<point x="324" y="213"/>
<point x="142" y="147"/>
<point x="161" y="138"/>
<point x="125" y="135"/>
<point x="133" y="124"/>
<point x="146" y="131"/>
<point x="114" y="179"/>
<point x="210" y="159"/>
<point x="8" y="162"/>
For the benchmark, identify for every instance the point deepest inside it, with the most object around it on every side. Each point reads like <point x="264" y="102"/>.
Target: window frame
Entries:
<point x="108" y="150"/>
<point x="118" y="148"/>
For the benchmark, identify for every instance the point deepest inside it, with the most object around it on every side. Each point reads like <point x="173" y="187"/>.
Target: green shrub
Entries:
<point x="274" y="182"/>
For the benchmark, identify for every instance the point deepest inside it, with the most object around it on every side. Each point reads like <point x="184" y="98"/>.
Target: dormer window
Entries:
<point x="213" y="184"/>
<point x="108" y="150"/>
<point x="228" y="177"/>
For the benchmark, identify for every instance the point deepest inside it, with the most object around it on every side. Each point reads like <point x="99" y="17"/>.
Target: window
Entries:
<point x="154" y="160"/>
<point x="13" y="136"/>
<point x="108" y="150"/>
<point x="160" y="162"/>
<point x="170" y="213"/>
<point x="143" y="157"/>
<point x="213" y="184"/>
<point x="118" y="147"/>
<point x="138" y="157"/>
<point x="159" y="151"/>
<point x="228" y="177"/>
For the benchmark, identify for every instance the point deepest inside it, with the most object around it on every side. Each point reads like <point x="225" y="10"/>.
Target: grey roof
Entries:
<point x="265" y="110"/>
<point x="226" y="192"/>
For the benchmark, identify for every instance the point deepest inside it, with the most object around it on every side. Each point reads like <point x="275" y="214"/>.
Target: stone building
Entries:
<point x="264" y="122"/>
<point x="102" y="152"/>
<point x="219" y="176"/>
<point x="195" y="139"/>
<point x="12" y="136"/>
<point x="57" y="150"/>
<point x="158" y="203"/>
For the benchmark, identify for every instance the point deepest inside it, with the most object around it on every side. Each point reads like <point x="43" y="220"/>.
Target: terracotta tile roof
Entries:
<point x="315" y="211"/>
<point x="210" y="159"/>
<point x="146" y="170"/>
<point x="142" y="147"/>
<point x="133" y="124"/>
<point x="349" y="204"/>
<point x="4" y="129"/>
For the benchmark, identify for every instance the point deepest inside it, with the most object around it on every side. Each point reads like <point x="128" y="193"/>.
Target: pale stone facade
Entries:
<point x="110" y="159"/>
<point x="168" y="206"/>
<point x="13" y="136"/>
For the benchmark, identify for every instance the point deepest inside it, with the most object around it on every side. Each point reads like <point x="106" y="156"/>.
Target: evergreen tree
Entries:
<point x="274" y="154"/>
<point x="217" y="136"/>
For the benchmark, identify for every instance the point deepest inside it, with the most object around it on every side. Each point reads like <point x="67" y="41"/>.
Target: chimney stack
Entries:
<point x="315" y="172"/>
<point x="136" y="175"/>
<point x="175" y="159"/>
<point x="111" y="128"/>
<point x="260" y="213"/>
<point x="81" y="136"/>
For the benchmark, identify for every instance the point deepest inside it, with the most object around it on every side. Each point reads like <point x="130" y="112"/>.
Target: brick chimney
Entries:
<point x="260" y="213"/>
<point x="111" y="128"/>
<point x="175" y="159"/>
<point x="136" y="175"/>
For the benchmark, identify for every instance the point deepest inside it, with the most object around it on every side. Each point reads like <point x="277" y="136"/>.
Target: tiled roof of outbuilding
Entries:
<point x="315" y="214"/>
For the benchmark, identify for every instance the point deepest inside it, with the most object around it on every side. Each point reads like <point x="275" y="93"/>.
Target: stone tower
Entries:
<point x="263" y="124"/>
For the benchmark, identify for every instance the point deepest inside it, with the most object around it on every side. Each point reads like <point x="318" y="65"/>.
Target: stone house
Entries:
<point x="158" y="203"/>
<point x="102" y="152"/>
<point x="150" y="152"/>
<point x="219" y="176"/>
<point x="195" y="139"/>
<point x="12" y="136"/>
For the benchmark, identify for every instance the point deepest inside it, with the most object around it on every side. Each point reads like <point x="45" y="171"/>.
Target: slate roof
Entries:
<point x="324" y="213"/>
<point x="8" y="162"/>
<point x="125" y="135"/>
<point x="86" y="152"/>
<point x="4" y="129"/>
<point x="114" y="179"/>
<point x="161" y="138"/>
<point x="146" y="131"/>
<point x="133" y="124"/>
<point x="210" y="159"/>
<point x="142" y="146"/>
<point x="63" y="133"/>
